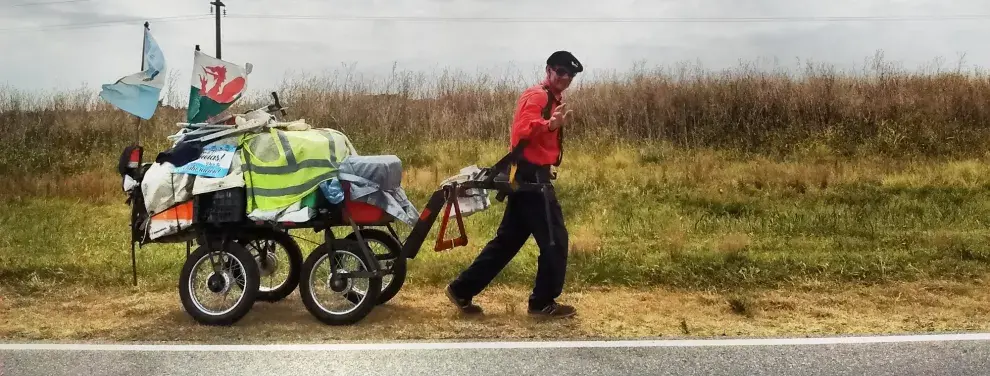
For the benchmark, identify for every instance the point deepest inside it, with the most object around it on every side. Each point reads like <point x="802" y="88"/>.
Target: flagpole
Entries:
<point x="144" y="49"/>
<point x="137" y="141"/>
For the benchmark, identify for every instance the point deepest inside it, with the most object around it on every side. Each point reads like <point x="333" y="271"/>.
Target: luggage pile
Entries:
<point x="238" y="186"/>
<point x="263" y="170"/>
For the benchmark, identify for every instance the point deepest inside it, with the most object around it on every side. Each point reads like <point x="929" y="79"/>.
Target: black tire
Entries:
<point x="363" y="308"/>
<point x="294" y="262"/>
<point x="390" y="289"/>
<point x="250" y="282"/>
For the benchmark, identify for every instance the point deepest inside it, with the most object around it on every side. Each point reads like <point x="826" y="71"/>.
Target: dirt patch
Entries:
<point x="423" y="313"/>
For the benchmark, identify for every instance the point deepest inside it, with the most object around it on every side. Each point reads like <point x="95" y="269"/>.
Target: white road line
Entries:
<point x="499" y="345"/>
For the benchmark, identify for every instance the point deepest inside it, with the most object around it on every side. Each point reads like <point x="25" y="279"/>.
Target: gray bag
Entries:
<point x="377" y="180"/>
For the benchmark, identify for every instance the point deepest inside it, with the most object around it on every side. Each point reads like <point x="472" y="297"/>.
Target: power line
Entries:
<point x="106" y="23"/>
<point x="47" y="3"/>
<point x="618" y="19"/>
<point x="510" y="19"/>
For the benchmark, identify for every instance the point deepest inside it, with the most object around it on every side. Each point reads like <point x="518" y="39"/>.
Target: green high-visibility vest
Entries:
<point x="283" y="167"/>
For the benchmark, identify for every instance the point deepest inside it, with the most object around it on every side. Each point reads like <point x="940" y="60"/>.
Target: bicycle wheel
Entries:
<point x="387" y="252"/>
<point x="279" y="259"/>
<point x="231" y="270"/>
<point x="335" y="298"/>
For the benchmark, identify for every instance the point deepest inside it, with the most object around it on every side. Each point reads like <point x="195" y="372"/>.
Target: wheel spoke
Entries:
<point x="218" y="285"/>
<point x="340" y="291"/>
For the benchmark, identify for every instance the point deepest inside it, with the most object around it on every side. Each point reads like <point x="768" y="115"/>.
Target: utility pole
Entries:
<point x="217" y="4"/>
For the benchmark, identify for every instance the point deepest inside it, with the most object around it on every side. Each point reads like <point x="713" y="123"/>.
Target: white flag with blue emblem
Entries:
<point x="138" y="93"/>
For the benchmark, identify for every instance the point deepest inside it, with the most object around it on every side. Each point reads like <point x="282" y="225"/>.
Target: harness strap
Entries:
<point x="547" y="112"/>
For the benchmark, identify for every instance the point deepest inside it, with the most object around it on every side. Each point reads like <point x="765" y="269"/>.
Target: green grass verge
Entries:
<point x="636" y="216"/>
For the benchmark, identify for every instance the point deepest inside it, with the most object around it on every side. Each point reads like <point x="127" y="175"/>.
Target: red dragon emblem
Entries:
<point x="222" y="91"/>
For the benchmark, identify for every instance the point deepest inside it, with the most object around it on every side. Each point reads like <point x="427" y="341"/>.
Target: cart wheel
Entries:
<point x="279" y="267"/>
<point x="218" y="274"/>
<point x="387" y="250"/>
<point x="339" y="300"/>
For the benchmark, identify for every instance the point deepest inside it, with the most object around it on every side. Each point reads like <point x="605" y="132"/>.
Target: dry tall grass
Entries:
<point x="882" y="109"/>
<point x="675" y="177"/>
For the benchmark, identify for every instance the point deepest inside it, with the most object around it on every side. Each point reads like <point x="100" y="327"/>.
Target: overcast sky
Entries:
<point x="39" y="55"/>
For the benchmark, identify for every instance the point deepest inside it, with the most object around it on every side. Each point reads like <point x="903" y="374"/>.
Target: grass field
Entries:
<point x="637" y="217"/>
<point x="747" y="190"/>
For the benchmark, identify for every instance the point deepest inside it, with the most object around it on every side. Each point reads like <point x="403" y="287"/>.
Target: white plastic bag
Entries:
<point x="472" y="200"/>
<point x="163" y="188"/>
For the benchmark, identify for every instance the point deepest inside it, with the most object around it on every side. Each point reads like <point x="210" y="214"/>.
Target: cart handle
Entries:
<point x="507" y="162"/>
<point x="447" y="195"/>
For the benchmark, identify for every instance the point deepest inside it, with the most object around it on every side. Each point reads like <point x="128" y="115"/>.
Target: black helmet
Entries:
<point x="565" y="59"/>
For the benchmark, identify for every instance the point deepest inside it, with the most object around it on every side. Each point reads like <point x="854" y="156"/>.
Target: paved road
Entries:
<point x="967" y="354"/>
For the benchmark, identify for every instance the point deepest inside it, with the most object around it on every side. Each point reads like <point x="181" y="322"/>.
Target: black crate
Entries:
<point x="223" y="206"/>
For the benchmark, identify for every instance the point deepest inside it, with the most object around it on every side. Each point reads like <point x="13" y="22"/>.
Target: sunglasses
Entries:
<point x="563" y="71"/>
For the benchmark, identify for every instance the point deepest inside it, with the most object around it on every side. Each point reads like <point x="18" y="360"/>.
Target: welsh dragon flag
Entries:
<point x="216" y="85"/>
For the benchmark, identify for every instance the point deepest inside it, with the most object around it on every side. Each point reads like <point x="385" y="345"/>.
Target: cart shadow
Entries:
<point x="291" y="315"/>
<point x="416" y="316"/>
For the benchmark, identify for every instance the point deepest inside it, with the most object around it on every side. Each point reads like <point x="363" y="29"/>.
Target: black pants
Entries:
<point x="525" y="215"/>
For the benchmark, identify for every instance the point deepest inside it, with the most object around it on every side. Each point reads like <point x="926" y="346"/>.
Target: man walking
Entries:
<point x="538" y="119"/>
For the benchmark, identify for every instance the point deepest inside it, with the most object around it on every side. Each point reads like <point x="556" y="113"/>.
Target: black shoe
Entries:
<point x="464" y="305"/>
<point x="553" y="310"/>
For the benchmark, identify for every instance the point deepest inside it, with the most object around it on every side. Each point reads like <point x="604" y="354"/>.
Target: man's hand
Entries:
<point x="558" y="119"/>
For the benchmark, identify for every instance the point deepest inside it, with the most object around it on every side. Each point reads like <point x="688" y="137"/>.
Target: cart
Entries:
<point x="238" y="251"/>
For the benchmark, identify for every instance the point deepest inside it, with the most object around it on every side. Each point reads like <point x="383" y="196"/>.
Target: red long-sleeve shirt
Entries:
<point x="528" y="123"/>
